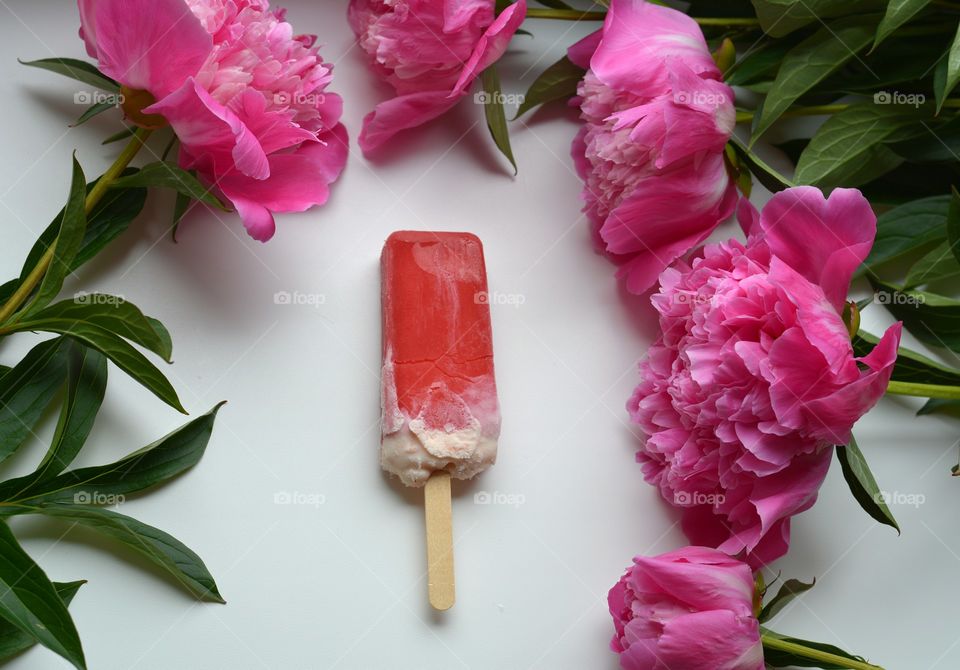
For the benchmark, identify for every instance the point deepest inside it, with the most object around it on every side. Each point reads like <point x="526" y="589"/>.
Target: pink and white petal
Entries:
<point x="824" y="239"/>
<point x="154" y="45"/>
<point x="491" y="45"/>
<point x="205" y="126"/>
<point x="401" y="113"/>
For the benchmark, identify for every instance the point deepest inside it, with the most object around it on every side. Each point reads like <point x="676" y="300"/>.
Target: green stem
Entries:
<point x="924" y="390"/>
<point x="93" y="197"/>
<point x="574" y="15"/>
<point x="815" y="654"/>
<point x="821" y="110"/>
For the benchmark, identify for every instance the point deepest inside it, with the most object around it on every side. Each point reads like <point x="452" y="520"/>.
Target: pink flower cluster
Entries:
<point x="430" y="52"/>
<point x="657" y="117"/>
<point x="690" y="609"/>
<point x="246" y="97"/>
<point x="754" y="379"/>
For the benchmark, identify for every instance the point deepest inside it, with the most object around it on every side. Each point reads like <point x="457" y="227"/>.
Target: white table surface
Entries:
<point x="337" y="581"/>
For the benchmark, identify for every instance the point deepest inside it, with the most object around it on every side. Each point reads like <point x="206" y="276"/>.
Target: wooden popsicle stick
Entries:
<point x="438" y="510"/>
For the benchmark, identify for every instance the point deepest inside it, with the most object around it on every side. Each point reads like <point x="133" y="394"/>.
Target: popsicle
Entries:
<point x="438" y="394"/>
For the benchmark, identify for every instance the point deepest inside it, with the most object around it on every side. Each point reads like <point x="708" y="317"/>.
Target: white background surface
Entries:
<point x="341" y="585"/>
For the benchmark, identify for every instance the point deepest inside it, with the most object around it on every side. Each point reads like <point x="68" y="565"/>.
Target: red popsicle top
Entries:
<point x="440" y="407"/>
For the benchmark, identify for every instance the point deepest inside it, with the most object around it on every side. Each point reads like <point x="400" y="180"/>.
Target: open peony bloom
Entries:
<point x="754" y="378"/>
<point x="245" y="96"/>
<point x="430" y="51"/>
<point x="657" y="116"/>
<point x="690" y="609"/>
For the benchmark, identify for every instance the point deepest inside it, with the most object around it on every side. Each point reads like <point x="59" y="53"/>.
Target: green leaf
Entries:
<point x="948" y="72"/>
<point x="782" y="659"/>
<point x="953" y="223"/>
<point x="169" y="175"/>
<point x="913" y="227"/>
<point x="772" y="180"/>
<point x="115" y="314"/>
<point x="27" y="390"/>
<point x="76" y="69"/>
<point x="111" y="217"/>
<point x="939" y="405"/>
<point x="113" y="347"/>
<point x="936" y="265"/>
<point x="782" y="17"/>
<point x="849" y="148"/>
<point x="933" y="319"/>
<point x="788" y="591"/>
<point x="120" y="135"/>
<point x="152" y="465"/>
<point x="92" y="111"/>
<point x="69" y="239"/>
<point x="496" y="119"/>
<point x="557" y="82"/>
<point x="758" y="64"/>
<point x="86" y="384"/>
<point x="940" y="143"/>
<point x="863" y="485"/>
<point x="910" y="366"/>
<point x="161" y="548"/>
<point x="14" y="641"/>
<point x="30" y="602"/>
<point x="811" y="61"/>
<point x="898" y="12"/>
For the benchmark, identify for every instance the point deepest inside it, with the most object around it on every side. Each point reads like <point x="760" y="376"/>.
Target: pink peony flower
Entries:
<point x="430" y="51"/>
<point x="657" y="116"/>
<point x="245" y="96"/>
<point x="753" y="379"/>
<point x="690" y="609"/>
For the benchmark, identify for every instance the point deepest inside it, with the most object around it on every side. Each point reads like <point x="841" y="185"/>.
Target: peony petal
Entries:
<point x="211" y="132"/>
<point x="832" y="416"/>
<point x="401" y="113"/>
<point x="491" y="45"/>
<point x="824" y="239"/>
<point x="153" y="45"/>
<point x="638" y="37"/>
<point x="718" y="640"/>
<point x="581" y="52"/>
<point x="297" y="181"/>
